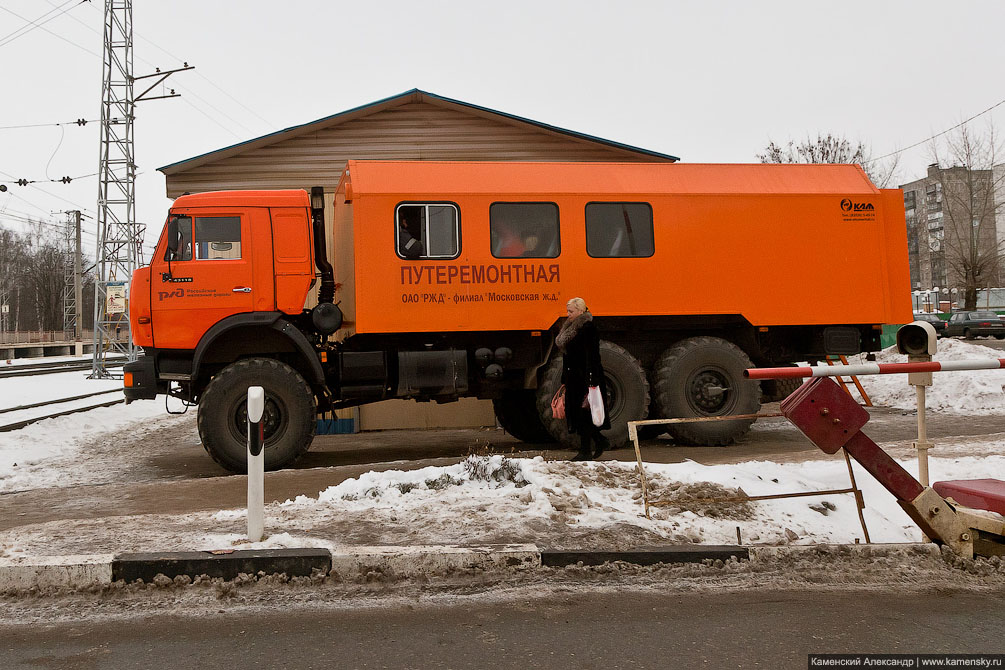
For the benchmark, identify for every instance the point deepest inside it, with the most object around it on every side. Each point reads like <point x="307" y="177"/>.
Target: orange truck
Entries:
<point x="440" y="280"/>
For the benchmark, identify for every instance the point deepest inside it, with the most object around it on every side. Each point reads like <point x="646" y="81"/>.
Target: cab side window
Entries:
<point x="524" y="229"/>
<point x="427" y="231"/>
<point x="217" y="237"/>
<point x="184" y="252"/>
<point x="619" y="230"/>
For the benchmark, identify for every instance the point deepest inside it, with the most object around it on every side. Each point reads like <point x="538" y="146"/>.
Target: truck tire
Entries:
<point x="687" y="375"/>
<point x="517" y="413"/>
<point x="776" y="390"/>
<point x="290" y="414"/>
<point x="627" y="395"/>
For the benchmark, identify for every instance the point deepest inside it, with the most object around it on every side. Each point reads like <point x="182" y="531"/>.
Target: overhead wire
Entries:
<point x="948" y="130"/>
<point x="22" y="181"/>
<point x="51" y="195"/>
<point x="77" y="122"/>
<point x="198" y="74"/>
<point x="32" y="22"/>
<point x="8" y="38"/>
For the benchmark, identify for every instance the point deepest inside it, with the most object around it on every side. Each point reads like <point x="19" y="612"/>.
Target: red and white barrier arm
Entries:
<point x="873" y="369"/>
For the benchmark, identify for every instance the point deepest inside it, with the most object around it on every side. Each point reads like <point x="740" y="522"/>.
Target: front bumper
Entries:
<point x="140" y="379"/>
<point x="987" y="332"/>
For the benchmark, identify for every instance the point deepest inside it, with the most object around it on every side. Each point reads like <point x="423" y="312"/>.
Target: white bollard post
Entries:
<point x="256" y="464"/>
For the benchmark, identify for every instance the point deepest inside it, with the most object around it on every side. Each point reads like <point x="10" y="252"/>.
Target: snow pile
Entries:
<point x="971" y="392"/>
<point x="555" y="504"/>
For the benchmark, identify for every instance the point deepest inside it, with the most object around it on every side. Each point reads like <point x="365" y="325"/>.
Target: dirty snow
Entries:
<point x="492" y="499"/>
<point x="495" y="499"/>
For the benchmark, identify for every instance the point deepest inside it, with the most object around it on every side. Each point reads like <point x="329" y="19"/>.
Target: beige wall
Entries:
<point x="465" y="413"/>
<point x="413" y="131"/>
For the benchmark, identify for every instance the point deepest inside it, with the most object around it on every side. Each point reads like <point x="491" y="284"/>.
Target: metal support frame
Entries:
<point x="633" y="434"/>
<point x="72" y="298"/>
<point x="832" y="420"/>
<point x="120" y="238"/>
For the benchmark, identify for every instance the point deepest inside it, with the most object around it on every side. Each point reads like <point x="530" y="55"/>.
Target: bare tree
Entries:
<point x="31" y="279"/>
<point x="971" y="190"/>
<point x="11" y="266"/>
<point x="832" y="149"/>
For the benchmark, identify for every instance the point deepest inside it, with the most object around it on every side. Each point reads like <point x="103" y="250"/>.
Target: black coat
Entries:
<point x="581" y="368"/>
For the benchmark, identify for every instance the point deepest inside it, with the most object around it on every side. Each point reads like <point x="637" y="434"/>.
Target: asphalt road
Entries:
<point x="746" y="629"/>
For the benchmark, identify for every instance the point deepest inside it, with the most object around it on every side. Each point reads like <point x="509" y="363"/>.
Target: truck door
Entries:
<point x="208" y="279"/>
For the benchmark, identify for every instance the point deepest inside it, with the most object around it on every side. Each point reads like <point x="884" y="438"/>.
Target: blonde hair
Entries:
<point x="578" y="302"/>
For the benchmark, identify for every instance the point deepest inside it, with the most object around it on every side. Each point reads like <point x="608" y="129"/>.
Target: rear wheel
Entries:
<point x="627" y="394"/>
<point x="967" y="334"/>
<point x="703" y="376"/>
<point x="290" y="415"/>
<point x="517" y="413"/>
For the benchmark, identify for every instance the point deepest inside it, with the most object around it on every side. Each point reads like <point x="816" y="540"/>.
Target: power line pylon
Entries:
<point x="120" y="237"/>
<point x="72" y="326"/>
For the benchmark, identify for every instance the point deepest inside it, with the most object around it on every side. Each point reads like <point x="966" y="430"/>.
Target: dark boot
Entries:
<point x="584" y="449"/>
<point x="602" y="444"/>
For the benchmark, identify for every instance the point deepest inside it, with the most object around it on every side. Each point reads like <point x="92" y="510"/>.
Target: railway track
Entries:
<point x="16" y="425"/>
<point x="50" y="368"/>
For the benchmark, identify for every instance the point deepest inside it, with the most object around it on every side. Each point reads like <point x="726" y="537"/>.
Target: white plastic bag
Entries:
<point x="596" y="405"/>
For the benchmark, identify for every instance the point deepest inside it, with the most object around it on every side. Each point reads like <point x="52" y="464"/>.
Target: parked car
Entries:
<point x="975" y="324"/>
<point x="937" y="322"/>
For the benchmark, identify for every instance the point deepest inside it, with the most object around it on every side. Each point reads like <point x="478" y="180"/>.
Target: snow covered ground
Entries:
<point x="497" y="499"/>
<point x="975" y="392"/>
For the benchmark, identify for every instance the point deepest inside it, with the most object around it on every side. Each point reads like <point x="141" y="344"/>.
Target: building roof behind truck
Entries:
<point x="431" y="177"/>
<point x="415" y="125"/>
<point x="289" y="198"/>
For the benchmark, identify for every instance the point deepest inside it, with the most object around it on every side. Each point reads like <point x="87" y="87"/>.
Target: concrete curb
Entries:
<point x="292" y="562"/>
<point x="94" y="571"/>
<point x="55" y="572"/>
<point x="678" y="553"/>
<point x="764" y="554"/>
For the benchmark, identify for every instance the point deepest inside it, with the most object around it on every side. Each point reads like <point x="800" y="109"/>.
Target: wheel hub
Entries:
<point x="709" y="391"/>
<point x="272" y="418"/>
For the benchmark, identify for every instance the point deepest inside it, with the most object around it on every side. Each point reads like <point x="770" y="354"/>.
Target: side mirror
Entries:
<point x="173" y="237"/>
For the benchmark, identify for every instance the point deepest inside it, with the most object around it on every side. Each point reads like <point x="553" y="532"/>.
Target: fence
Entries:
<point x="40" y="336"/>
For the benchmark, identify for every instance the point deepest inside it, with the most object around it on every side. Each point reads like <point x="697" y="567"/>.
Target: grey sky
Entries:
<point x="706" y="81"/>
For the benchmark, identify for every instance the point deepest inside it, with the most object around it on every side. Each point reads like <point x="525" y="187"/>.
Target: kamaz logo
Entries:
<point x="849" y="206"/>
<point x="177" y="293"/>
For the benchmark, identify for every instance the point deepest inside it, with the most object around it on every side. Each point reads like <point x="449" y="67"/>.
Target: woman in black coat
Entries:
<point x="581" y="368"/>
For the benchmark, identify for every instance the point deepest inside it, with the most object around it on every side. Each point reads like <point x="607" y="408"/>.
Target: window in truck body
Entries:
<point x="619" y="230"/>
<point x="524" y="230"/>
<point x="434" y="227"/>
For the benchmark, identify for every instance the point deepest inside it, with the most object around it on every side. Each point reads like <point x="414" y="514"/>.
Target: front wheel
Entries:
<point x="290" y="415"/>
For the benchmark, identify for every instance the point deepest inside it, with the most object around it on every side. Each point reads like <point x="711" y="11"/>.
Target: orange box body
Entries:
<point x="776" y="244"/>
